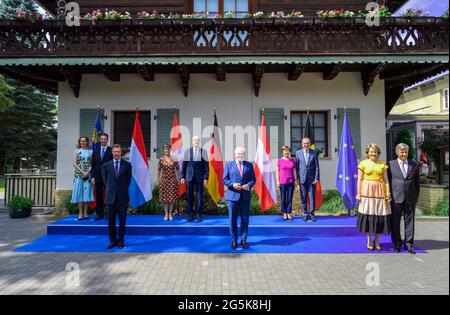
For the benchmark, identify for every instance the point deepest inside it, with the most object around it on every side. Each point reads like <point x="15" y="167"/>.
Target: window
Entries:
<point x="445" y="99"/>
<point x="237" y="7"/>
<point x="319" y="122"/>
<point x="220" y="7"/>
<point x="123" y="129"/>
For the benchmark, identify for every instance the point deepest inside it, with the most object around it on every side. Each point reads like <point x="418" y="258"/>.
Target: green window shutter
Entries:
<point x="87" y="121"/>
<point x="354" y="121"/>
<point x="275" y="118"/>
<point x="164" y="117"/>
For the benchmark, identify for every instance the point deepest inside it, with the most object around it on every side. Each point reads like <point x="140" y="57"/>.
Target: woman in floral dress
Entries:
<point x="168" y="174"/>
<point x="82" y="191"/>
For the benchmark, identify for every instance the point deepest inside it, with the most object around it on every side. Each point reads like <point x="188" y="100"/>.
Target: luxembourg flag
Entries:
<point x="265" y="186"/>
<point x="140" y="189"/>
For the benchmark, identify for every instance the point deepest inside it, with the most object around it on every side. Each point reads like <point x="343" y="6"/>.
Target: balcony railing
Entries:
<point x="305" y="36"/>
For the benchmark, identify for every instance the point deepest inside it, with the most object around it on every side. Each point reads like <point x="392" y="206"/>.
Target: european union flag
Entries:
<point x="97" y="132"/>
<point x="347" y="169"/>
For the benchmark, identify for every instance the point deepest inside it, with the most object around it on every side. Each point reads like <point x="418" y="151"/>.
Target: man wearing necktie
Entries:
<point x="117" y="178"/>
<point x="404" y="182"/>
<point x="239" y="178"/>
<point x="100" y="156"/>
<point x="308" y="174"/>
<point x="195" y="172"/>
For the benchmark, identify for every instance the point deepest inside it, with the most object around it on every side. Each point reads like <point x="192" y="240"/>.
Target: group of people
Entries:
<point x="385" y="191"/>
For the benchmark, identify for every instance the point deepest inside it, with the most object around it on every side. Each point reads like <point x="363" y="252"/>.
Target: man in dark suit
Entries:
<point x="195" y="172"/>
<point x="404" y="183"/>
<point x="117" y="177"/>
<point x="100" y="156"/>
<point x="308" y="174"/>
<point x="239" y="177"/>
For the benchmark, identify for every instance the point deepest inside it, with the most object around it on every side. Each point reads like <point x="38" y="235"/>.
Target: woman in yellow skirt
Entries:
<point x="374" y="211"/>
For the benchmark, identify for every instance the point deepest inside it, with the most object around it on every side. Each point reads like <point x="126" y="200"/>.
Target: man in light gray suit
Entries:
<point x="308" y="174"/>
<point x="404" y="183"/>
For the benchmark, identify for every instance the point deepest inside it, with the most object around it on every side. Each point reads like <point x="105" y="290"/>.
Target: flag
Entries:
<point x="265" y="186"/>
<point x="347" y="168"/>
<point x="215" y="185"/>
<point x="309" y="133"/>
<point x="140" y="189"/>
<point x="177" y="150"/>
<point x="97" y="132"/>
<point x="96" y="144"/>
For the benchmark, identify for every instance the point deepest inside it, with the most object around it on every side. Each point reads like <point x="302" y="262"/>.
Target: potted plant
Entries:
<point x="154" y="18"/>
<point x="334" y="17"/>
<point x="20" y="207"/>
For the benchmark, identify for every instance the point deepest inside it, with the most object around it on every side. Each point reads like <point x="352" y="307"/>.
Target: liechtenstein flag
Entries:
<point x="140" y="189"/>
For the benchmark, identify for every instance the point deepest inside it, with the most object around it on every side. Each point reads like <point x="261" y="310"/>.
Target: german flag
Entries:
<point x="215" y="185"/>
<point x="309" y="133"/>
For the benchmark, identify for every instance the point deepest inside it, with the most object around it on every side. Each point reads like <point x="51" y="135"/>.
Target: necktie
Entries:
<point x="116" y="168"/>
<point x="306" y="156"/>
<point x="103" y="153"/>
<point x="404" y="169"/>
<point x="240" y="168"/>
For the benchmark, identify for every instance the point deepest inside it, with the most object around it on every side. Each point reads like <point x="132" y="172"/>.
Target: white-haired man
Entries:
<point x="239" y="177"/>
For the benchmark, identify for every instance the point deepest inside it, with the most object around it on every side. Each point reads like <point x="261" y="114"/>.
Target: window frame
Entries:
<point x="125" y="151"/>
<point x="326" y="113"/>
<point x="445" y="99"/>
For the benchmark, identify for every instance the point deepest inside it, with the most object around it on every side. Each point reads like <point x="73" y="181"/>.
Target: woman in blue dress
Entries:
<point x="82" y="191"/>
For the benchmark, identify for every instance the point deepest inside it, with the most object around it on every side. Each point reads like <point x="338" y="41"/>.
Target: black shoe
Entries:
<point x="199" y="218"/>
<point x="234" y="244"/>
<point x="190" y="218"/>
<point x="244" y="244"/>
<point x="111" y="245"/>
<point x="86" y="218"/>
<point x="80" y="219"/>
<point x="410" y="249"/>
<point x="397" y="249"/>
<point x="97" y="218"/>
<point x="313" y="218"/>
<point x="305" y="218"/>
<point x="121" y="245"/>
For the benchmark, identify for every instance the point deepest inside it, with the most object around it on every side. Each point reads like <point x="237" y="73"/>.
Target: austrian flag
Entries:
<point x="265" y="186"/>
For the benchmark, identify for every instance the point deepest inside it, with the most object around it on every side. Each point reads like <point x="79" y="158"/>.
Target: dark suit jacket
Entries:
<point x="197" y="171"/>
<point x="97" y="163"/>
<point x="307" y="170"/>
<point x="404" y="189"/>
<point x="232" y="176"/>
<point x="117" y="186"/>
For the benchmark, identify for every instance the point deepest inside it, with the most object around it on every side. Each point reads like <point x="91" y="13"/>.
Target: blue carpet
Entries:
<point x="150" y="234"/>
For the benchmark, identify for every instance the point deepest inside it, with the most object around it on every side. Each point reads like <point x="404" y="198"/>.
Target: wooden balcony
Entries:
<point x="306" y="36"/>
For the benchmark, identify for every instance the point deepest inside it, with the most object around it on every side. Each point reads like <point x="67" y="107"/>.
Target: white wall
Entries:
<point x="235" y="102"/>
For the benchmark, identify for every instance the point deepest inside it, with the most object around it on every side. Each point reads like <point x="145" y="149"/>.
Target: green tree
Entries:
<point x="432" y="139"/>
<point x="28" y="135"/>
<point x="9" y="8"/>
<point x="405" y="136"/>
<point x="5" y="89"/>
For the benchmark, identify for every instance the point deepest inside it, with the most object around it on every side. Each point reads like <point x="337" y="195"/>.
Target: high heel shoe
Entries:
<point x="378" y="248"/>
<point x="369" y="247"/>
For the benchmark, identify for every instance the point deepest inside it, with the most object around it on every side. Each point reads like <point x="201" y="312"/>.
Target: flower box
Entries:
<point x="263" y="21"/>
<point x="293" y="21"/>
<point x="230" y="21"/>
<point x="192" y="22"/>
<point x="153" y="22"/>
<point x="334" y="21"/>
<point x="113" y="22"/>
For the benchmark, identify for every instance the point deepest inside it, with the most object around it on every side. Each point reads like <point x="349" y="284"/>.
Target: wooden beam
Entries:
<point x="332" y="71"/>
<point x="146" y="72"/>
<point x="111" y="74"/>
<point x="73" y="77"/>
<point x="258" y="73"/>
<point x="369" y="74"/>
<point x="395" y="76"/>
<point x="221" y="72"/>
<point x="185" y="76"/>
<point x="295" y="72"/>
<point x="391" y="95"/>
